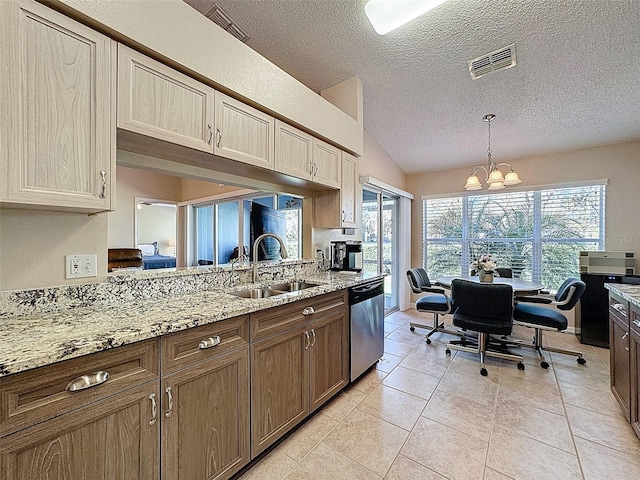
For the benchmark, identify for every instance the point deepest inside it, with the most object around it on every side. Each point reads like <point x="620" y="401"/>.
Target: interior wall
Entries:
<point x="157" y="223"/>
<point x="377" y="163"/>
<point x="620" y="164"/>
<point x="194" y="189"/>
<point x="133" y="183"/>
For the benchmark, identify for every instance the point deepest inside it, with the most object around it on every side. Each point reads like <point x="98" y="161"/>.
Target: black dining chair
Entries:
<point x="531" y="312"/>
<point x="485" y="308"/>
<point x="434" y="300"/>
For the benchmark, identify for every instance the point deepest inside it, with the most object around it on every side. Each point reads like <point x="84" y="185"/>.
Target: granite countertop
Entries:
<point x="33" y="341"/>
<point x="631" y="293"/>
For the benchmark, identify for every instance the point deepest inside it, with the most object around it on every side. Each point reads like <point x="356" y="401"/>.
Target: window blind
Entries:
<point x="538" y="233"/>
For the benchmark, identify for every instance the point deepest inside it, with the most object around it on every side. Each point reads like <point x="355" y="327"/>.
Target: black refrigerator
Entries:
<point x="592" y="311"/>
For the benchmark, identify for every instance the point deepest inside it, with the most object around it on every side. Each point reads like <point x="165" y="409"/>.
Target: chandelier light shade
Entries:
<point x="493" y="176"/>
<point x="387" y="15"/>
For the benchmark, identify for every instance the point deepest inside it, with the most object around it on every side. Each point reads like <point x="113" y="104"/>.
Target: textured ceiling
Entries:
<point x="576" y="83"/>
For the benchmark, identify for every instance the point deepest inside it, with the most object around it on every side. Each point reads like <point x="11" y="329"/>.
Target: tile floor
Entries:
<point x="423" y="415"/>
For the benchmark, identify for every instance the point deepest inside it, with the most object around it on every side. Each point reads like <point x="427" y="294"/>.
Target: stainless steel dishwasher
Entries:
<point x="366" y="303"/>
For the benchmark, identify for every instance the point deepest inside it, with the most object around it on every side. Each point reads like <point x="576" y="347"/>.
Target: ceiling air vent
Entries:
<point x="218" y="16"/>
<point x="492" y="62"/>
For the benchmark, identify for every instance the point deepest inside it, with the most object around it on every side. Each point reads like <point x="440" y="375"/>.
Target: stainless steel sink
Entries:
<point x="257" y="293"/>
<point x="293" y="286"/>
<point x="273" y="290"/>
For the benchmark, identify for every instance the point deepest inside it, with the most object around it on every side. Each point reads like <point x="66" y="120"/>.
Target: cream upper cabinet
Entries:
<point x="159" y="102"/>
<point x="57" y="117"/>
<point x="243" y="133"/>
<point x="326" y="159"/>
<point x="349" y="190"/>
<point x="294" y="151"/>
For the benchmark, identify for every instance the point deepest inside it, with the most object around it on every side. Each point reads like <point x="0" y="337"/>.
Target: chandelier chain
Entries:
<point x="489" y="149"/>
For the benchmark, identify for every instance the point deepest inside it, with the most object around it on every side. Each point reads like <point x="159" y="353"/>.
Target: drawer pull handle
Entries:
<point x="307" y="340"/>
<point x="637" y="323"/>
<point x="87" y="381"/>
<point x="620" y="308"/>
<point x="313" y="337"/>
<point x="209" y="342"/>
<point x="170" y="398"/>
<point x="308" y="311"/>
<point x="154" y="409"/>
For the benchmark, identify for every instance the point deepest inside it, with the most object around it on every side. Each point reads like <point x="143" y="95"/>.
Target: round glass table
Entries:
<point x="520" y="287"/>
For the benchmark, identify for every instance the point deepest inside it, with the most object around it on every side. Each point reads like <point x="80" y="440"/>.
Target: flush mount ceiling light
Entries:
<point x="493" y="176"/>
<point x="387" y="15"/>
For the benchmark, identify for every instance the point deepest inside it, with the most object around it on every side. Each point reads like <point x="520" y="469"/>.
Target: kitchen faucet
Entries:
<point x="283" y="252"/>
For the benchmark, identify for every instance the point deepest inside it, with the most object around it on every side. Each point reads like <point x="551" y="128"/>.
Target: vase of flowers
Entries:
<point x="484" y="268"/>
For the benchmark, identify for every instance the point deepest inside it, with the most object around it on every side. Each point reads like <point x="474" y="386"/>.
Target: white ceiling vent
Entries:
<point x="500" y="59"/>
<point x="218" y="16"/>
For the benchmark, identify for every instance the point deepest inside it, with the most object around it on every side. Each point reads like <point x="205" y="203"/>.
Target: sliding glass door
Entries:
<point x="379" y="240"/>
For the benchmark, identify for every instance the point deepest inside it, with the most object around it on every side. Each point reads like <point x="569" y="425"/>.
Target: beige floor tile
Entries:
<point x="398" y="318"/>
<point x="390" y="328"/>
<point x="302" y="441"/>
<point x="394" y="406"/>
<point x="594" y="361"/>
<point x="438" y="346"/>
<point x="596" y="400"/>
<point x="369" y="380"/>
<point x="325" y="463"/>
<point x="445" y="450"/>
<point x="399" y="349"/>
<point x="543" y="395"/>
<point x="490" y="474"/>
<point x="274" y="466"/>
<point x="407" y="336"/>
<point x="460" y="413"/>
<point x="343" y="404"/>
<point x="541" y="425"/>
<point x="584" y="376"/>
<point x="524" y="458"/>
<point x="468" y="363"/>
<point x="471" y="385"/>
<point x="428" y="364"/>
<point x="412" y="382"/>
<point x="388" y="362"/>
<point x="600" y="462"/>
<point x="368" y="440"/>
<point x="612" y="432"/>
<point x="406" y="469"/>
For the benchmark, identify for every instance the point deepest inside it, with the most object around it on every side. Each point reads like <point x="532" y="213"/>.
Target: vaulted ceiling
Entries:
<point x="576" y="83"/>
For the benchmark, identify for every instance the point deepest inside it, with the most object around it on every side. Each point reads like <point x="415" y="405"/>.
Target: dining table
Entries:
<point x="520" y="287"/>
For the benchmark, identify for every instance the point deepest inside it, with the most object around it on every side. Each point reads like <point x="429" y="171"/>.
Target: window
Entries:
<point x="538" y="234"/>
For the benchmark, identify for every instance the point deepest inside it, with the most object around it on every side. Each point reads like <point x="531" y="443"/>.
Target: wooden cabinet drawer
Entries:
<point x="194" y="345"/>
<point x="36" y="395"/>
<point x="619" y="308"/>
<point x="634" y="320"/>
<point x="279" y="319"/>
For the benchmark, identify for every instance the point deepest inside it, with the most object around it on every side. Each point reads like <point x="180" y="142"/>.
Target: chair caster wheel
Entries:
<point x="581" y="360"/>
<point x="544" y="365"/>
<point x="447" y="351"/>
<point x="428" y="341"/>
<point x="483" y="372"/>
<point x="520" y="366"/>
<point x="413" y="329"/>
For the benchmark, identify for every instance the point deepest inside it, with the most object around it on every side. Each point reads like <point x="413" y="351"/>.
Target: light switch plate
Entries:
<point x="80" y="266"/>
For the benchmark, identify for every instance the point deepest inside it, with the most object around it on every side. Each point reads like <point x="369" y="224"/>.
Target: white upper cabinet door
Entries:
<point x="159" y="102"/>
<point x="57" y="117"/>
<point x="349" y="190"/>
<point x="327" y="164"/>
<point x="243" y="133"/>
<point x="294" y="151"/>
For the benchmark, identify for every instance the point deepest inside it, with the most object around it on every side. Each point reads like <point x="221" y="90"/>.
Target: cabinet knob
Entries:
<point x="87" y="381"/>
<point x="308" y="311"/>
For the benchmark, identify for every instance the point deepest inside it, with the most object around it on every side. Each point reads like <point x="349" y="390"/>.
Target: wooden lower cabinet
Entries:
<point x="634" y="346"/>
<point x="115" y="439"/>
<point x="296" y="370"/>
<point x="205" y="419"/>
<point x="620" y="363"/>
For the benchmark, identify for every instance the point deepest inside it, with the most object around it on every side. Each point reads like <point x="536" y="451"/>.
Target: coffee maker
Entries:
<point x="346" y="256"/>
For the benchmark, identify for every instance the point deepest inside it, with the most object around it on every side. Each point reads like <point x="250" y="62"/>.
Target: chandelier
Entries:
<point x="493" y="176"/>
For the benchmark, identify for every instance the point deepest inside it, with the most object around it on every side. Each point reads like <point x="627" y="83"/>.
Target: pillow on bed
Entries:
<point x="148" y="249"/>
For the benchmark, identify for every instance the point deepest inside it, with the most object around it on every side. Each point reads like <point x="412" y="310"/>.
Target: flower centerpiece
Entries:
<point x="484" y="268"/>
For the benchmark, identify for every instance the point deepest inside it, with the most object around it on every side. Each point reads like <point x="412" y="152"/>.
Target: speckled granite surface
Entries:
<point x="129" y="308"/>
<point x="630" y="293"/>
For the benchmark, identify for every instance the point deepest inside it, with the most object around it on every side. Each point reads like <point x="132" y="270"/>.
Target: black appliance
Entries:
<point x="592" y="311"/>
<point x="346" y="256"/>
<point x="266" y="220"/>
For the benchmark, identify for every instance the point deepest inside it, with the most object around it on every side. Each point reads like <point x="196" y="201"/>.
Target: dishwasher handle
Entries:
<point x="362" y="293"/>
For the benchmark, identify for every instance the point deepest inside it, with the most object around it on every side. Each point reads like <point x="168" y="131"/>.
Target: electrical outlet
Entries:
<point x="80" y="266"/>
